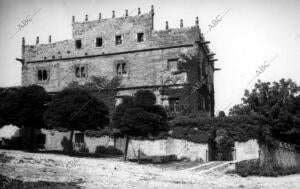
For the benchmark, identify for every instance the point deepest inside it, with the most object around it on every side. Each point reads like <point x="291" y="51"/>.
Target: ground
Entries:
<point x="61" y="171"/>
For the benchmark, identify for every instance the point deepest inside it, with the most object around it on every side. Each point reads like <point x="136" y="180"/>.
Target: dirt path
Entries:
<point x="114" y="173"/>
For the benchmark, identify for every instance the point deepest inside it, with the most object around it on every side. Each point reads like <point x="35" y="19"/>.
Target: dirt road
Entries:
<point x="102" y="173"/>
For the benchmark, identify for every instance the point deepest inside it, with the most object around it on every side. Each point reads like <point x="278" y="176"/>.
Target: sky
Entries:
<point x="251" y="34"/>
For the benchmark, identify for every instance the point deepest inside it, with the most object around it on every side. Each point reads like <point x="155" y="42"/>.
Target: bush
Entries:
<point x="110" y="150"/>
<point x="251" y="167"/>
<point x="247" y="168"/>
<point x="239" y="128"/>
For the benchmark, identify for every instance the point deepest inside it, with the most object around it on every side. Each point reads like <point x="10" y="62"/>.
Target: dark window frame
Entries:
<point x="78" y="43"/>
<point x="81" y="71"/>
<point x="174" y="105"/>
<point x="140" y="37"/>
<point x="99" y="42"/>
<point x="79" y="138"/>
<point x="119" y="40"/>
<point x="43" y="75"/>
<point x="122" y="69"/>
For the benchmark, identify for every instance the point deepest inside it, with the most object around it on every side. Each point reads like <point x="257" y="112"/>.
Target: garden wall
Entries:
<point x="246" y="150"/>
<point x="285" y="155"/>
<point x="170" y="146"/>
<point x="56" y="141"/>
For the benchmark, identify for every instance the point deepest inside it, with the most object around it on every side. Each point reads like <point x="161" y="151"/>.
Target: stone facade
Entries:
<point x="127" y="46"/>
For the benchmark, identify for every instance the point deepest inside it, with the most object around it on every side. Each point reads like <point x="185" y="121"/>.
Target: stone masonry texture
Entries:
<point x="146" y="61"/>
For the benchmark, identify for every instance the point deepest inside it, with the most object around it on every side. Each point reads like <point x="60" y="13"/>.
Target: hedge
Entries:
<point x="239" y="128"/>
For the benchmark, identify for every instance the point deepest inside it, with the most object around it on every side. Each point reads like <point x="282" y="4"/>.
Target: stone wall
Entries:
<point x="146" y="61"/>
<point x="246" y="150"/>
<point x="284" y="155"/>
<point x="170" y="146"/>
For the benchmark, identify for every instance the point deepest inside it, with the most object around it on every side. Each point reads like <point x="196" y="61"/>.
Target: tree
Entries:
<point x="139" y="116"/>
<point x="25" y="107"/>
<point x="221" y="114"/>
<point x="102" y="87"/>
<point x="279" y="102"/>
<point x="76" y="109"/>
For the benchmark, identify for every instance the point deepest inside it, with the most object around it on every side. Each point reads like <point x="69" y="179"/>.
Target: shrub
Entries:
<point x="110" y="150"/>
<point x="251" y="167"/>
<point x="247" y="168"/>
<point x="239" y="128"/>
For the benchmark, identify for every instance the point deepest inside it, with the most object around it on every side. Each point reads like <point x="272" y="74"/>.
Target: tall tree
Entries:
<point x="25" y="107"/>
<point x="76" y="109"/>
<point x="139" y="116"/>
<point x="279" y="102"/>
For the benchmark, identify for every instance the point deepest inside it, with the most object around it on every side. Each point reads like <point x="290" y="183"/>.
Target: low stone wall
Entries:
<point x="55" y="141"/>
<point x="284" y="155"/>
<point x="246" y="150"/>
<point x="170" y="146"/>
<point x="93" y="142"/>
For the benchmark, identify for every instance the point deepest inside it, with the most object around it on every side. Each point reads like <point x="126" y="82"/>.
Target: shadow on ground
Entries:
<point x="6" y="182"/>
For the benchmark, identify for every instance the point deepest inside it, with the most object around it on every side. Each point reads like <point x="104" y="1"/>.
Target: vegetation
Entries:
<point x="24" y="107"/>
<point x="279" y="103"/>
<point x="76" y="109"/>
<point x="102" y="87"/>
<point x="139" y="116"/>
<point x="252" y="167"/>
<point x="239" y="128"/>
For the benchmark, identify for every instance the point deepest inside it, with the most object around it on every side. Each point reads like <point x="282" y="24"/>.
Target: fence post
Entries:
<point x="139" y="155"/>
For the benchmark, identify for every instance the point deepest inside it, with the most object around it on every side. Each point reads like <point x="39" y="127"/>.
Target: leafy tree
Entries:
<point x="221" y="114"/>
<point x="279" y="102"/>
<point x="102" y="87"/>
<point x="25" y="107"/>
<point x="139" y="116"/>
<point x="76" y="109"/>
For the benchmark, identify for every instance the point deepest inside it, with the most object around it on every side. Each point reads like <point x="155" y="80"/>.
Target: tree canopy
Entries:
<point x="76" y="109"/>
<point x="279" y="102"/>
<point x="24" y="106"/>
<point x="139" y="116"/>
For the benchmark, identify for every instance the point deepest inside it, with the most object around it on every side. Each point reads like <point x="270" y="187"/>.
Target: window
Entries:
<point x="99" y="42"/>
<point x="118" y="40"/>
<point x="43" y="75"/>
<point x="140" y="37"/>
<point x="78" y="44"/>
<point x="79" y="138"/>
<point x="174" y="104"/>
<point x="172" y="65"/>
<point x="121" y="69"/>
<point x="81" y="71"/>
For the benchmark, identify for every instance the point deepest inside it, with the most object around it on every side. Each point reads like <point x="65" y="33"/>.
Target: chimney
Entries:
<point x="167" y="25"/>
<point x="197" y="21"/>
<point x="113" y="14"/>
<point x="37" y="40"/>
<point x="86" y="17"/>
<point x="126" y="13"/>
<point x="23" y="47"/>
<point x="139" y="11"/>
<point x="152" y="9"/>
<point x="49" y="39"/>
<point x="181" y="23"/>
<point x="100" y="16"/>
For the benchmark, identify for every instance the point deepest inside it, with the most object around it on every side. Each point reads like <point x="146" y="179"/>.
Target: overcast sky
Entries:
<point x="251" y="33"/>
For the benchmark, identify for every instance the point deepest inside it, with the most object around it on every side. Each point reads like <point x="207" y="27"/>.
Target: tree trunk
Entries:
<point x="126" y="147"/>
<point x="71" y="142"/>
<point x="267" y="161"/>
<point x="32" y="139"/>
